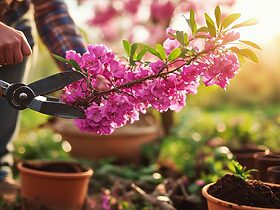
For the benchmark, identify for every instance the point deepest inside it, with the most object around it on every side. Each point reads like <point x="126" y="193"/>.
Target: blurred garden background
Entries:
<point x="214" y="120"/>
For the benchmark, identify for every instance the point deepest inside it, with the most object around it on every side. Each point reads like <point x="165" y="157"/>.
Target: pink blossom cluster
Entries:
<point x="114" y="93"/>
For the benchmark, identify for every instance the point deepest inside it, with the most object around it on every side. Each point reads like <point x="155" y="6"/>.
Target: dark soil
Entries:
<point x="62" y="167"/>
<point x="249" y="193"/>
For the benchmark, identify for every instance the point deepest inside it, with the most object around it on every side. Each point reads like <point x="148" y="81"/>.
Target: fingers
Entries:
<point x="25" y="48"/>
<point x="13" y="48"/>
<point x="8" y="54"/>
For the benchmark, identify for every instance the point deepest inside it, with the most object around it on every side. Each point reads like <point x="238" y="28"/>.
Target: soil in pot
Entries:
<point x="60" y="167"/>
<point x="248" y="193"/>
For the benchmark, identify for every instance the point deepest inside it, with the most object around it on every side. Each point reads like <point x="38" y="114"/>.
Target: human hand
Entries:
<point x="13" y="45"/>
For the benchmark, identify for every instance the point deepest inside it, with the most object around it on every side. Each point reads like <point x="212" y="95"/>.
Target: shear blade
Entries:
<point x="55" y="108"/>
<point x="55" y="82"/>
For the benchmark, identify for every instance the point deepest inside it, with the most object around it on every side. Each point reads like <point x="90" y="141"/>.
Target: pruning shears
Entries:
<point x="21" y="96"/>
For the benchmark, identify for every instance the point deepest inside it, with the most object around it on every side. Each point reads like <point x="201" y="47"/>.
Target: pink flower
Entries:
<point x="170" y="45"/>
<point x="221" y="69"/>
<point x="162" y="11"/>
<point x="103" y="15"/>
<point x="230" y="37"/>
<point x="132" y="6"/>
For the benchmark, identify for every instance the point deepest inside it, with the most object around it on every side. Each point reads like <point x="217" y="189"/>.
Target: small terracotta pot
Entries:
<point x="217" y="204"/>
<point x="53" y="190"/>
<point x="245" y="155"/>
<point x="263" y="162"/>
<point x="124" y="144"/>
<point x="273" y="174"/>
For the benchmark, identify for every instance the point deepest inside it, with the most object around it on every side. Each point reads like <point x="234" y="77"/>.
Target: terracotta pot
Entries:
<point x="217" y="204"/>
<point x="53" y="190"/>
<point x="263" y="162"/>
<point x="125" y="144"/>
<point x="273" y="174"/>
<point x="245" y="155"/>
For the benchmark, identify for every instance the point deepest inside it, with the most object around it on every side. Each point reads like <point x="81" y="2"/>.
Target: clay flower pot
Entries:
<point x="53" y="190"/>
<point x="263" y="162"/>
<point x="245" y="155"/>
<point x="273" y="174"/>
<point x="218" y="204"/>
<point x="124" y="144"/>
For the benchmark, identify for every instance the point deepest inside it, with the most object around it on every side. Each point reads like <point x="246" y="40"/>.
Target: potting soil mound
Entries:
<point x="62" y="167"/>
<point x="248" y="193"/>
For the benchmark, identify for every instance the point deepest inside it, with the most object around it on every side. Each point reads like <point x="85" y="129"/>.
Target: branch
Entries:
<point x="151" y="199"/>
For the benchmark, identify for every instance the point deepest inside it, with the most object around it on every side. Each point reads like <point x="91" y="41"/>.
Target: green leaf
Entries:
<point x="211" y="25"/>
<point x="154" y="52"/>
<point x="174" y="54"/>
<point x="133" y="49"/>
<point x="192" y="22"/>
<point x="141" y="54"/>
<point x="203" y="29"/>
<point x="161" y="51"/>
<point x="241" y="59"/>
<point x="249" y="22"/>
<point x="75" y="65"/>
<point x="249" y="54"/>
<point x="230" y="19"/>
<point x="126" y="46"/>
<point x="251" y="44"/>
<point x="180" y="37"/>
<point x="59" y="58"/>
<point x="218" y="16"/>
<point x="186" y="38"/>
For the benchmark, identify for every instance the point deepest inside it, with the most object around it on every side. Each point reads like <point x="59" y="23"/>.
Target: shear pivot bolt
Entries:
<point x="22" y="96"/>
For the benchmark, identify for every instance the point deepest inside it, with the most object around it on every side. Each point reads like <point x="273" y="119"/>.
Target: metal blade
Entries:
<point x="55" y="108"/>
<point x="4" y="86"/>
<point x="55" y="82"/>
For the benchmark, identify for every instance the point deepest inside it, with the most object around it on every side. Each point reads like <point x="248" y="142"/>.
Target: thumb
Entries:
<point x="25" y="48"/>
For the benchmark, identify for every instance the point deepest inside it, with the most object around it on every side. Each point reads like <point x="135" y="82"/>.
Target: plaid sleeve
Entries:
<point x="56" y="28"/>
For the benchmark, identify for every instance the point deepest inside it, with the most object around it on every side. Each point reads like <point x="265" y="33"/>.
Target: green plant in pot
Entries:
<point x="236" y="191"/>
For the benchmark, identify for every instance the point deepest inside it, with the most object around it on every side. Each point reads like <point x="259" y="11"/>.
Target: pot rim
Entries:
<point x="274" y="169"/>
<point x="76" y="175"/>
<point x="263" y="156"/>
<point x="229" y="204"/>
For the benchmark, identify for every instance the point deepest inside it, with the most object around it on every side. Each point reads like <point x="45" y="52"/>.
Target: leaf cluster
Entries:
<point x="238" y="170"/>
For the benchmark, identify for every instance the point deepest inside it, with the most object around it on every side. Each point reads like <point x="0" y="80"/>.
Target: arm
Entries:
<point x="56" y="28"/>
<point x="13" y="45"/>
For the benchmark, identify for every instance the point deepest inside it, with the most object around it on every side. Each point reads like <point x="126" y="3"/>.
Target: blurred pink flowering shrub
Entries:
<point x="152" y="16"/>
<point x="114" y="90"/>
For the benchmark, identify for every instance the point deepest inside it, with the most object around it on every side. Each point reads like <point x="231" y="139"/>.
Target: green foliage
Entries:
<point x="174" y="54"/>
<point x="126" y="46"/>
<point x="161" y="51"/>
<point x="210" y="25"/>
<point x="218" y="16"/>
<point x="229" y="20"/>
<point x="249" y="22"/>
<point x="240" y="171"/>
<point x="71" y="62"/>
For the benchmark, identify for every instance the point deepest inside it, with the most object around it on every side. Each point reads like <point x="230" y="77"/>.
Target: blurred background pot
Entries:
<point x="124" y="144"/>
<point x="273" y="174"/>
<point x="263" y="161"/>
<point x="245" y="155"/>
<point x="54" y="185"/>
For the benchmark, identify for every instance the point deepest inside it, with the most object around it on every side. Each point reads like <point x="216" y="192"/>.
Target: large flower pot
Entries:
<point x="218" y="204"/>
<point x="43" y="189"/>
<point x="124" y="144"/>
<point x="263" y="162"/>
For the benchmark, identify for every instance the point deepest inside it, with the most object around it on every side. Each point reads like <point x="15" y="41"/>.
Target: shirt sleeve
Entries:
<point x="57" y="29"/>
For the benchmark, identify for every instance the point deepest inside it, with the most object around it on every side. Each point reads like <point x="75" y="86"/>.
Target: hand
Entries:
<point x="13" y="45"/>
